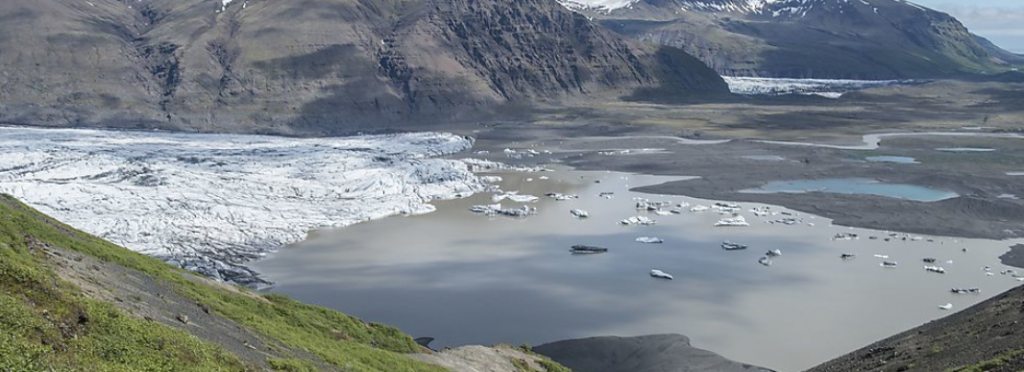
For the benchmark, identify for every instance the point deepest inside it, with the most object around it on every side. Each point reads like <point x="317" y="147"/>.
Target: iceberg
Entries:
<point x="660" y="274"/>
<point x="649" y="240"/>
<point x="638" y="220"/>
<point x="514" y="196"/>
<point x="485" y="209"/>
<point x="579" y="213"/>
<point x="587" y="249"/>
<point x="212" y="202"/>
<point x="732" y="221"/>
<point x="730" y="246"/>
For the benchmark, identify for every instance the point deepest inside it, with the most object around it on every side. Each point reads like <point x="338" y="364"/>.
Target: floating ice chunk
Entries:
<point x="888" y="264"/>
<point x="489" y="208"/>
<point x="845" y="236"/>
<point x="935" y="269"/>
<point x="579" y="213"/>
<point x="732" y="221"/>
<point x="524" y="211"/>
<point x="699" y="208"/>
<point x="965" y="290"/>
<point x="496" y="209"/>
<point x="947" y="306"/>
<point x="774" y="253"/>
<point x="587" y="249"/>
<point x="726" y="207"/>
<point x="638" y="220"/>
<point x="490" y="179"/>
<point x="881" y="256"/>
<point x="514" y="196"/>
<point x="765" y="261"/>
<point x="660" y="274"/>
<point x="730" y="246"/>
<point x="650" y="240"/>
<point x="561" y="197"/>
<point x="662" y="213"/>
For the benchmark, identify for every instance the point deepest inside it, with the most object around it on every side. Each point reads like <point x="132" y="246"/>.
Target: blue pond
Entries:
<point x="892" y="159"/>
<point x="857" y="186"/>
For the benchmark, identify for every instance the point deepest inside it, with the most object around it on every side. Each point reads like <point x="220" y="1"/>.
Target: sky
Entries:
<point x="1001" y="21"/>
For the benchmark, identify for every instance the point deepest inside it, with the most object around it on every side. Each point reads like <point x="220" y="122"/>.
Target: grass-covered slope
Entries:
<point x="49" y="323"/>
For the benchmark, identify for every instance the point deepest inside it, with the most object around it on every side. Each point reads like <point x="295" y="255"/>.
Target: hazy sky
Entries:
<point x="1001" y="21"/>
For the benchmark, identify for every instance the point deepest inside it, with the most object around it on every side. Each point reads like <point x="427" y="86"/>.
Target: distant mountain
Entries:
<point x="861" y="39"/>
<point x="311" y="66"/>
<point x="1000" y="53"/>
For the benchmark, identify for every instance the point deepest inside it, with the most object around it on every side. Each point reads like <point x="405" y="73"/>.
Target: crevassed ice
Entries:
<point x="819" y="87"/>
<point x="226" y="196"/>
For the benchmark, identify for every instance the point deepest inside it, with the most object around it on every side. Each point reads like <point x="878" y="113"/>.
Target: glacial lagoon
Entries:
<point x="467" y="278"/>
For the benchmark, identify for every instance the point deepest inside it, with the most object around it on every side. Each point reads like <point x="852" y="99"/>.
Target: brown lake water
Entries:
<point x="466" y="278"/>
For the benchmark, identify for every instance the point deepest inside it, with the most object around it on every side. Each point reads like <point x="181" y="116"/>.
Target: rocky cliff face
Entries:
<point x="870" y="39"/>
<point x="311" y="66"/>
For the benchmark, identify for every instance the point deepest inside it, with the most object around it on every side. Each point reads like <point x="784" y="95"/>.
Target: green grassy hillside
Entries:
<point x="47" y="323"/>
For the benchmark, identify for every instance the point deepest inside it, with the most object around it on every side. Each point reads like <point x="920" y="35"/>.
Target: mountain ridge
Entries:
<point x="312" y="66"/>
<point x="850" y="39"/>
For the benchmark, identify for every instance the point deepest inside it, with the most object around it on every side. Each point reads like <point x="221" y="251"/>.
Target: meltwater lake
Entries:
<point x="466" y="278"/>
<point x="863" y="186"/>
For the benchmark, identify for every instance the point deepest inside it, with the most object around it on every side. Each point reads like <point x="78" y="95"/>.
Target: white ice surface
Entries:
<point x="825" y="88"/>
<point x="225" y="195"/>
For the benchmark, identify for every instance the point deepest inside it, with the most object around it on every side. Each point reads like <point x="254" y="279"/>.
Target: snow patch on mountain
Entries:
<point x="602" y="6"/>
<point x="210" y="203"/>
<point x="773" y="8"/>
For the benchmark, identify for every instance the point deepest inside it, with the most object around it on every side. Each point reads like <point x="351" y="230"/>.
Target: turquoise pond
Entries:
<point x="892" y="159"/>
<point x="855" y="186"/>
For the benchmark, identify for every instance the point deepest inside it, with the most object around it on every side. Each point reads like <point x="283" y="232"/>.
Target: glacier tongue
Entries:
<point x="210" y="203"/>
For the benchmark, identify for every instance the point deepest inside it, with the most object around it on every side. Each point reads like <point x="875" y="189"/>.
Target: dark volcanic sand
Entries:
<point x="655" y="353"/>
<point x="1015" y="257"/>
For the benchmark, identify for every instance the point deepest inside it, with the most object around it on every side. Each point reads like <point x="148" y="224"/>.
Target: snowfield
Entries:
<point x="210" y="203"/>
<point x="819" y="87"/>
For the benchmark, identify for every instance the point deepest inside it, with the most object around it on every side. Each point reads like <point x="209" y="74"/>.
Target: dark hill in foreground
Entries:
<point x="986" y="337"/>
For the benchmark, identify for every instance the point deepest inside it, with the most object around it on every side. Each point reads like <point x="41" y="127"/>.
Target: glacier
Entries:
<point x="819" y="87"/>
<point x="213" y="202"/>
